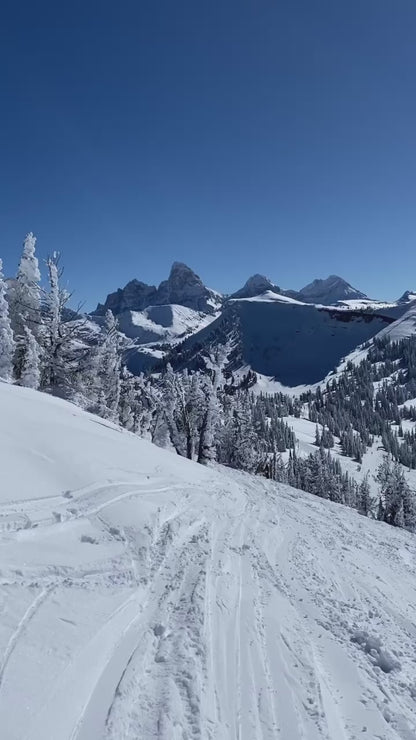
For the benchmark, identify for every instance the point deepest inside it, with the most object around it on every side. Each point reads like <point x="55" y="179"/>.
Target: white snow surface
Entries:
<point x="143" y="596"/>
<point x="269" y="296"/>
<point x="165" y="323"/>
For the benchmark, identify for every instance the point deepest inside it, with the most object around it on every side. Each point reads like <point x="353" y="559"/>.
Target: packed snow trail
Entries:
<point x="143" y="596"/>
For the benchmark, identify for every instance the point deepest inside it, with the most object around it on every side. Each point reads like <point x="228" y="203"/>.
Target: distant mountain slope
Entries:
<point x="143" y="595"/>
<point x="295" y="343"/>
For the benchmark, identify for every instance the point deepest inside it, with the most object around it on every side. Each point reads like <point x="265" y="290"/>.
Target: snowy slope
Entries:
<point x="143" y="596"/>
<point x="296" y="344"/>
<point x="162" y="323"/>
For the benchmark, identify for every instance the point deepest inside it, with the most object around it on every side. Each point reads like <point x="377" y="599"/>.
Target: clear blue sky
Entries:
<point x="238" y="136"/>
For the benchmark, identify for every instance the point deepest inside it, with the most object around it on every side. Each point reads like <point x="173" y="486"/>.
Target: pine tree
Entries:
<point x="59" y="338"/>
<point x="209" y="419"/>
<point x="30" y="375"/>
<point x="109" y="369"/>
<point x="7" y="344"/>
<point x="25" y="302"/>
<point x="127" y="401"/>
<point x="365" y="502"/>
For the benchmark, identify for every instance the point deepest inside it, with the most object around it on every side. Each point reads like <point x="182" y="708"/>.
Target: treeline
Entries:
<point x="366" y="401"/>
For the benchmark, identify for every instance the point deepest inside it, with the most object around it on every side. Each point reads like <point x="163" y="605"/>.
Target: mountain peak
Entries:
<point x="329" y="290"/>
<point x="183" y="287"/>
<point x="407" y="297"/>
<point x="255" y="285"/>
<point x="180" y="275"/>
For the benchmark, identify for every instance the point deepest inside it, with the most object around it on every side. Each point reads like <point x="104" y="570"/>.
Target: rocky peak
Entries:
<point x="256" y="285"/>
<point x="329" y="291"/>
<point x="183" y="287"/>
<point x="135" y="296"/>
<point x="407" y="297"/>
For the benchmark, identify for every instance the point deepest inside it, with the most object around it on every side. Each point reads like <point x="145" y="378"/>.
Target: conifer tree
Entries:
<point x="25" y="303"/>
<point x="30" y="374"/>
<point x="7" y="344"/>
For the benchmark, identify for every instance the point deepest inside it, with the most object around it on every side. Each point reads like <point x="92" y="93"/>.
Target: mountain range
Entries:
<point x="292" y="337"/>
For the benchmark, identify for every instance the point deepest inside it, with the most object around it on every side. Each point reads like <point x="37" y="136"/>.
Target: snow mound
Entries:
<point x="145" y="596"/>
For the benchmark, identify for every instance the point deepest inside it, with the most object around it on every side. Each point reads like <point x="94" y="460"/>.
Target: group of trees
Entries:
<point x="207" y="415"/>
<point x="40" y="349"/>
<point x="368" y="400"/>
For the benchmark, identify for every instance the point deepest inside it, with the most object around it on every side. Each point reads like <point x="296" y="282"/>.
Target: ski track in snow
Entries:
<point x="186" y="603"/>
<point x="240" y="626"/>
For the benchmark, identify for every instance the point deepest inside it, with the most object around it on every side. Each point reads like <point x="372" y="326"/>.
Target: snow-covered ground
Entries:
<point x="144" y="596"/>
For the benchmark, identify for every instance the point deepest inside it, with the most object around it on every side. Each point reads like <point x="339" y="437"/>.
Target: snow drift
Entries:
<point x="144" y="596"/>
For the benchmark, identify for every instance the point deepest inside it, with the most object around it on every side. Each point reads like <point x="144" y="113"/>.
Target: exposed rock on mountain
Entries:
<point x="183" y="287"/>
<point x="135" y="296"/>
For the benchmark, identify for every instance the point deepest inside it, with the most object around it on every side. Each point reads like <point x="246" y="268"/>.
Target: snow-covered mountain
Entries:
<point x="295" y="343"/>
<point x="408" y="297"/>
<point x="255" y="286"/>
<point x="183" y="287"/>
<point x="294" y="337"/>
<point x="328" y="291"/>
<point x="143" y="595"/>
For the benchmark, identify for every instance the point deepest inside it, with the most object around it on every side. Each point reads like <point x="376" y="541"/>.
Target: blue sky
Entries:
<point x="238" y="136"/>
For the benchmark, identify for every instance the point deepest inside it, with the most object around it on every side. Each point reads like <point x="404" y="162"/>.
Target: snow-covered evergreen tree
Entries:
<point x="7" y="344"/>
<point x="58" y="336"/>
<point x="30" y="374"/>
<point x="397" y="500"/>
<point x="365" y="502"/>
<point x="25" y="304"/>
<point x="109" y="368"/>
<point x="127" y="400"/>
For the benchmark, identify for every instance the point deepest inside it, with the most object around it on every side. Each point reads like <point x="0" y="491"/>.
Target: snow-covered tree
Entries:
<point x="365" y="502"/>
<point x="58" y="336"/>
<point x="7" y="344"/>
<point x="109" y="368"/>
<point x="25" y="304"/>
<point x="397" y="500"/>
<point x="209" y="419"/>
<point x="30" y="375"/>
<point x="127" y="401"/>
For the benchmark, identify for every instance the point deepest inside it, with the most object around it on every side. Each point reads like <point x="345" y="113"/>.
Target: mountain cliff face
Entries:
<point x="183" y="287"/>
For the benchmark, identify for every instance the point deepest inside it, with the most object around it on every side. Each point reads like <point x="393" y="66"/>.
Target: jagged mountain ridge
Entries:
<point x="183" y="287"/>
<point x="295" y="337"/>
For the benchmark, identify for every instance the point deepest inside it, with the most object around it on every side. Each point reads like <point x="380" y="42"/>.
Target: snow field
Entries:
<point x="143" y="596"/>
